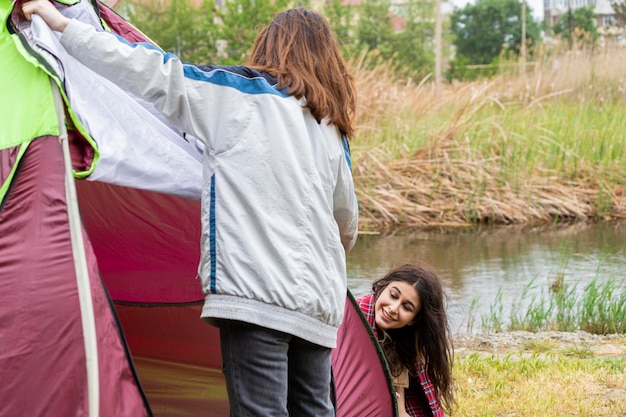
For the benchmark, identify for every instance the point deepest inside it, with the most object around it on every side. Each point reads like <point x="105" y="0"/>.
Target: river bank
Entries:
<point x="556" y="374"/>
<point x="613" y="345"/>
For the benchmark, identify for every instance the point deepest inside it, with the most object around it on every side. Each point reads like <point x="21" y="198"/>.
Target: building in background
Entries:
<point x="606" y="15"/>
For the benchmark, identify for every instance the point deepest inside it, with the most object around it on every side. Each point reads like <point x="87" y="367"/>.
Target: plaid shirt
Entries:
<point x="418" y="377"/>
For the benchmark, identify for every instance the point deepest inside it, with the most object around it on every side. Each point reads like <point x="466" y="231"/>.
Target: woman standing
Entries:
<point x="279" y="210"/>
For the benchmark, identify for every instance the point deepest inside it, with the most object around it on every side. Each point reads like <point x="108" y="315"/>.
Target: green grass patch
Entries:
<point x="600" y="308"/>
<point x="554" y="384"/>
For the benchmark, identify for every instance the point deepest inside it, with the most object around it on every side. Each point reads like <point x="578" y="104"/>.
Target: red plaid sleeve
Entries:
<point x="421" y="398"/>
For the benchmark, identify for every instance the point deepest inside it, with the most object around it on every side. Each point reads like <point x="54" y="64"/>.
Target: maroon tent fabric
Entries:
<point x="147" y="243"/>
<point x="43" y="365"/>
<point x="362" y="379"/>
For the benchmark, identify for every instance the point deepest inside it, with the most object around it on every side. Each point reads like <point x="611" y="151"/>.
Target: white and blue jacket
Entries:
<point x="279" y="210"/>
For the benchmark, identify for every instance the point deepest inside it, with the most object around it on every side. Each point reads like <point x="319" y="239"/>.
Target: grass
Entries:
<point x="553" y="383"/>
<point x="517" y="149"/>
<point x="600" y="308"/>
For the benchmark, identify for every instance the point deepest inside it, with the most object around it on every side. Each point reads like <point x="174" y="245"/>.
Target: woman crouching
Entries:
<point x="407" y="314"/>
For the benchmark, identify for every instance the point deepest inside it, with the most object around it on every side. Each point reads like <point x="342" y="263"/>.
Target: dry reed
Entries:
<point x="422" y="160"/>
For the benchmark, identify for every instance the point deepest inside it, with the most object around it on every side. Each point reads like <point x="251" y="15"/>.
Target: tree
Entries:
<point x="208" y="34"/>
<point x="579" y="27"/>
<point x="413" y="41"/>
<point x="483" y="30"/>
<point x="374" y="30"/>
<point x="183" y="27"/>
<point x="342" y="18"/>
<point x="401" y="33"/>
<point x="619" y="6"/>
<point x="241" y="21"/>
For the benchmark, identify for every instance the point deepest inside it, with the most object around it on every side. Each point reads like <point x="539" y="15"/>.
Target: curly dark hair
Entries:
<point x="427" y="339"/>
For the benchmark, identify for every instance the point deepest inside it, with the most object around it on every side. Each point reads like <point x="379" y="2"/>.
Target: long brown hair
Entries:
<point x="299" y="48"/>
<point x="428" y="337"/>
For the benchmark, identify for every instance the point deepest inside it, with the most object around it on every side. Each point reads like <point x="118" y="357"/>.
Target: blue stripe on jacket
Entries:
<point x="242" y="78"/>
<point x="346" y="151"/>
<point x="212" y="248"/>
<point x="224" y="76"/>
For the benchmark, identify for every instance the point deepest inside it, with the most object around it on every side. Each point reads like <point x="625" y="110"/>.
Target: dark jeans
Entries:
<point x="274" y="374"/>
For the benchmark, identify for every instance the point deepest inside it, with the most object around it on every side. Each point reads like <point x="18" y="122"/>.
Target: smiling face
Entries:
<point x="396" y="306"/>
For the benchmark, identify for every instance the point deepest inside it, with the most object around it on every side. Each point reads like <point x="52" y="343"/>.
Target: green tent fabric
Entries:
<point x="27" y="106"/>
<point x="25" y="91"/>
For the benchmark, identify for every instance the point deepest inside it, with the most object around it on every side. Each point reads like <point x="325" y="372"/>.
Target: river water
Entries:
<point x="480" y="265"/>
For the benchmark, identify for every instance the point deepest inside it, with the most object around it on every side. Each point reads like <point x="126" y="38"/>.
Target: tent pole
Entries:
<point x="80" y="263"/>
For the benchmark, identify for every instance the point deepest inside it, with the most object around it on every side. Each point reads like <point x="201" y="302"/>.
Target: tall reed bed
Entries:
<point x="523" y="148"/>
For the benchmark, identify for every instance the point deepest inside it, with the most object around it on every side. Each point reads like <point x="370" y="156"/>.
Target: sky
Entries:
<point x="536" y="5"/>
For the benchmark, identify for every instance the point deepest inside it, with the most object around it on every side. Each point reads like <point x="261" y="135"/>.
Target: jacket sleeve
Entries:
<point x="346" y="209"/>
<point x="149" y="73"/>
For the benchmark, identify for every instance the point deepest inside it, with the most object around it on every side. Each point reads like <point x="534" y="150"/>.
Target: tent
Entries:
<point x="99" y="245"/>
